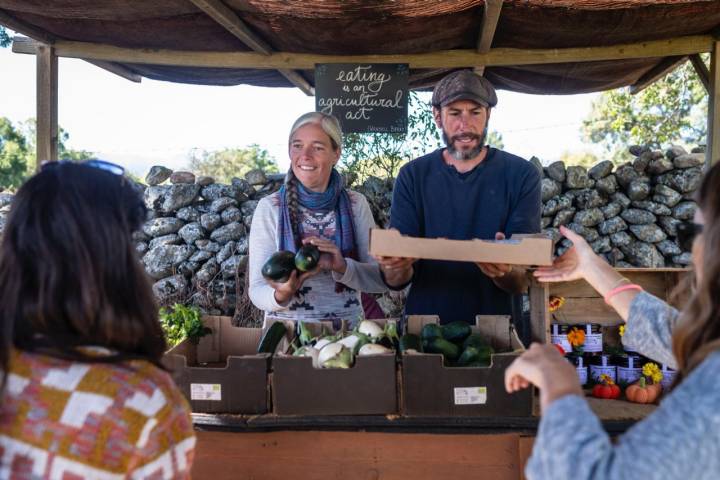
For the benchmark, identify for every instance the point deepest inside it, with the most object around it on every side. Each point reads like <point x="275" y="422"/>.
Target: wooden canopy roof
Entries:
<point x="532" y="46"/>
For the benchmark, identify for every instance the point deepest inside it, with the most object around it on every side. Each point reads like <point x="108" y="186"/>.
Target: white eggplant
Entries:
<point x="371" y="329"/>
<point x="322" y="342"/>
<point x="335" y="355"/>
<point x="372" y="349"/>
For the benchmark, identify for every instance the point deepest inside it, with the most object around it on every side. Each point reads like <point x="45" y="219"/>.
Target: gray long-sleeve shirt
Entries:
<point x="679" y="440"/>
<point x="317" y="299"/>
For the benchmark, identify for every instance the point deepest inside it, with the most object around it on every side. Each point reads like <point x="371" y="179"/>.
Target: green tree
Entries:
<point x="5" y="39"/>
<point x="18" y="152"/>
<point x="14" y="154"/>
<point x="671" y="110"/>
<point x="225" y="164"/>
<point x="382" y="154"/>
<point x="583" y="159"/>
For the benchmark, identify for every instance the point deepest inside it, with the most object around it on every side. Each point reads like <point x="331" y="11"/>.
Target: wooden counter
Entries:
<point x="270" y="447"/>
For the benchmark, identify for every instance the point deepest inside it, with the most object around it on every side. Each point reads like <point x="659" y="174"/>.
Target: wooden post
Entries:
<point x="47" y="104"/>
<point x="712" y="151"/>
<point x="539" y="313"/>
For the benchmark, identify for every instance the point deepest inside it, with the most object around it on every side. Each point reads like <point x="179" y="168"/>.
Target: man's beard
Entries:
<point x="465" y="155"/>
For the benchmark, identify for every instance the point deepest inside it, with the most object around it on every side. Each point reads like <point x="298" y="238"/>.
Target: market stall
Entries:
<point x="530" y="46"/>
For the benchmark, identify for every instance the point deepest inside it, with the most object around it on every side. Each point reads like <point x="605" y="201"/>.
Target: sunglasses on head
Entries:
<point x="686" y="233"/>
<point x="100" y="164"/>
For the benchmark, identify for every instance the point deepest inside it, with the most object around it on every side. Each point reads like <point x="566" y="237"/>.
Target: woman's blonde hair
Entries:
<point x="697" y="333"/>
<point x="329" y="124"/>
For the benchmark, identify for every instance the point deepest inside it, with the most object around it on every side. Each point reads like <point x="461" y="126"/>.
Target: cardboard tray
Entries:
<point x="223" y="373"/>
<point x="369" y="387"/>
<point x="535" y="249"/>
<point x="431" y="389"/>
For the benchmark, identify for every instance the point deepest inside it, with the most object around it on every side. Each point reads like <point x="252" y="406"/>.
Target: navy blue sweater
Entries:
<point x="431" y="199"/>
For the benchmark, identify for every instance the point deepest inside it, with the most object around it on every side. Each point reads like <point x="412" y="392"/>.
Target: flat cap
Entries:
<point x="464" y="85"/>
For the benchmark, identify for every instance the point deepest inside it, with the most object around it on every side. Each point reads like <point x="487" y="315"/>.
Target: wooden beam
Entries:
<point x="441" y="59"/>
<point x="47" y="104"/>
<point x="226" y="17"/>
<point x="664" y="67"/>
<point x="491" y="15"/>
<point x="28" y="30"/>
<point x="712" y="151"/>
<point x="702" y="70"/>
<point x="117" y="69"/>
<point x="48" y="39"/>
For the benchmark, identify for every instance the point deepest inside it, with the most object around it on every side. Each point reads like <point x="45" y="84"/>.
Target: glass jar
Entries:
<point x="593" y="337"/>
<point x="580" y="367"/>
<point x="602" y="364"/>
<point x="558" y="336"/>
<point x="668" y="377"/>
<point x="629" y="368"/>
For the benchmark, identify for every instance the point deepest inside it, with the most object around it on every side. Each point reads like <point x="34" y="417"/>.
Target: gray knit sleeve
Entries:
<point x="362" y="274"/>
<point x="679" y="440"/>
<point x="649" y="328"/>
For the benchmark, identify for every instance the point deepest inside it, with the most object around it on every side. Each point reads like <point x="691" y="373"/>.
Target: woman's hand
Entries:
<point x="571" y="265"/>
<point x="285" y="291"/>
<point x="331" y="258"/>
<point x="542" y="365"/>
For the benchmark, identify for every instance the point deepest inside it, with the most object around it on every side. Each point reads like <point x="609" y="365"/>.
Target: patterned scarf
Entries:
<point x="336" y="198"/>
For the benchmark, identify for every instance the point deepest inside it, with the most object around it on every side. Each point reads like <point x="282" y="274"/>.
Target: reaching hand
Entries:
<point x="543" y="366"/>
<point x="572" y="264"/>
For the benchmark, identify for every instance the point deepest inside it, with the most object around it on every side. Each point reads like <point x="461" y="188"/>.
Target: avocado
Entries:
<point x="279" y="266"/>
<point x="307" y="258"/>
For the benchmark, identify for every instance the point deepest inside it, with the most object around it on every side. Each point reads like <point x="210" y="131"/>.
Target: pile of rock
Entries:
<point x="195" y="242"/>
<point x="628" y="214"/>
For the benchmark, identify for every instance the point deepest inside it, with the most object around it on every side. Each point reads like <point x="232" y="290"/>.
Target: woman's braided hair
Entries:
<point x="331" y="126"/>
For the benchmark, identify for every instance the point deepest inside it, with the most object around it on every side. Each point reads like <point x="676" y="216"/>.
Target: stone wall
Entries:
<point x="195" y="242"/>
<point x="628" y="214"/>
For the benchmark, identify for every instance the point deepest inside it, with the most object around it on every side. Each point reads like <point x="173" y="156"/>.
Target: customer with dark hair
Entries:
<point x="315" y="207"/>
<point x="84" y="393"/>
<point x="679" y="440"/>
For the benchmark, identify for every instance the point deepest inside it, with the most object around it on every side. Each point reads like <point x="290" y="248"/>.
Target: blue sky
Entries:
<point x="160" y="123"/>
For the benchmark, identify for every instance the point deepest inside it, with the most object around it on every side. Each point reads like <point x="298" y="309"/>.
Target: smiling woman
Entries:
<point x="314" y="207"/>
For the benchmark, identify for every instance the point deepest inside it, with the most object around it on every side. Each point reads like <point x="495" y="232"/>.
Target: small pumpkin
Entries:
<point x="643" y="392"/>
<point x="606" y="389"/>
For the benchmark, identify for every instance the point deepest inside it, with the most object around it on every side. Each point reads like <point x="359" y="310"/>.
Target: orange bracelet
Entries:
<point x="621" y="288"/>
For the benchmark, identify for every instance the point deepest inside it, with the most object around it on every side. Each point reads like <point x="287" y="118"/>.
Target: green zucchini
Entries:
<point x="272" y="337"/>
<point x="456" y="331"/>
<point x="430" y="331"/>
<point x="448" y="349"/>
<point x="307" y="258"/>
<point x="475" y="340"/>
<point x="409" y="342"/>
<point x="468" y="356"/>
<point x="279" y="266"/>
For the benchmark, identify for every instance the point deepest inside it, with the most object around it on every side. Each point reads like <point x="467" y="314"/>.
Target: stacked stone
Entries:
<point x="628" y="214"/>
<point x="195" y="242"/>
<point x="5" y="200"/>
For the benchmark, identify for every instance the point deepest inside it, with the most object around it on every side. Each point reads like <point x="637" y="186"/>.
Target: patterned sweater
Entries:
<point x="68" y="420"/>
<point x="317" y="299"/>
<point x="679" y="440"/>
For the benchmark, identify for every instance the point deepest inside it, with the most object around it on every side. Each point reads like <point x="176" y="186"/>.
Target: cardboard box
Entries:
<point x="369" y="387"/>
<point x="534" y="249"/>
<point x="223" y="373"/>
<point x="431" y="389"/>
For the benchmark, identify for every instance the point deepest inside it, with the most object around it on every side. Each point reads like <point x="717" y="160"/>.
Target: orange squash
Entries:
<point x="643" y="392"/>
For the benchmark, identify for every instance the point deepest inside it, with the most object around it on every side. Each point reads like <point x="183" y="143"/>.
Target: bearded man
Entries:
<point x="464" y="191"/>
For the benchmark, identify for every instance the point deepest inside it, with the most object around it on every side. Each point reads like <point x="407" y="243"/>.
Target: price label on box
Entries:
<point x="205" y="391"/>
<point x="470" y="395"/>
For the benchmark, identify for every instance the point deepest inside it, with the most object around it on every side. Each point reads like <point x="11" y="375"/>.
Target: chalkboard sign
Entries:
<point x="365" y="97"/>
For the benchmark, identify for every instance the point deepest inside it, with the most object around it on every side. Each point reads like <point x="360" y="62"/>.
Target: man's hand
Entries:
<point x="505" y="276"/>
<point x="495" y="270"/>
<point x="397" y="270"/>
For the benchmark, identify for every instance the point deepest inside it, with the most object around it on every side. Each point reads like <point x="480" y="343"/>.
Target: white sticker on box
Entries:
<point x="205" y="391"/>
<point x="470" y="395"/>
